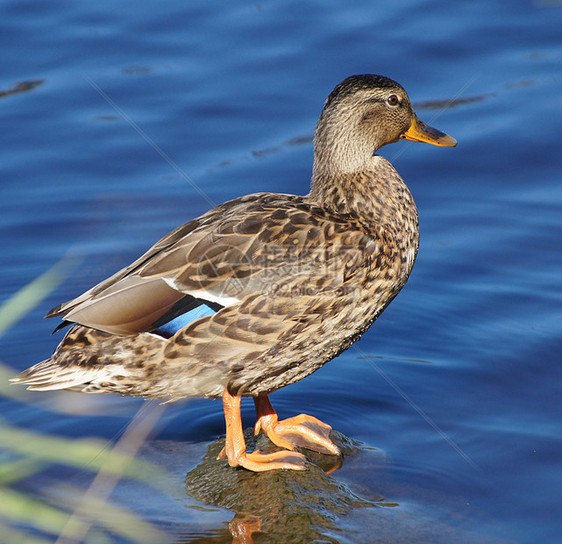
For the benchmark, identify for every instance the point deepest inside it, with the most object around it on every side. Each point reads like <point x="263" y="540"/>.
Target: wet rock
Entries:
<point x="282" y="506"/>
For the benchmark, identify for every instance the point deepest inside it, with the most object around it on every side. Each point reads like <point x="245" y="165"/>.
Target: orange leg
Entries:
<point x="304" y="431"/>
<point x="235" y="447"/>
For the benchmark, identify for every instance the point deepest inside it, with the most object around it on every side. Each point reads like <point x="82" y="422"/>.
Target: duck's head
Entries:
<point x="362" y="114"/>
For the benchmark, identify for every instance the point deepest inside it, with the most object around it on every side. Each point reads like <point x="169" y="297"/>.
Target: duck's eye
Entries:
<point x="392" y="100"/>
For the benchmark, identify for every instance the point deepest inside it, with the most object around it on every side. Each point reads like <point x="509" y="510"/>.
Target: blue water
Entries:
<point x="142" y="116"/>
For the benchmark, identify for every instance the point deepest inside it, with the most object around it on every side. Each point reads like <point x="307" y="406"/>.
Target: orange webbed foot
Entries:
<point x="260" y="462"/>
<point x="235" y="446"/>
<point x="300" y="431"/>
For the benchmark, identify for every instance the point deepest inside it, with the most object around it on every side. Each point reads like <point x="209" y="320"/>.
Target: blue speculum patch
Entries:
<point x="173" y="326"/>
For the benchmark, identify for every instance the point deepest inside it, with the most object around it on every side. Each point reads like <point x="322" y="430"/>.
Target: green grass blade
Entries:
<point x="88" y="454"/>
<point x="22" y="509"/>
<point x="19" y="304"/>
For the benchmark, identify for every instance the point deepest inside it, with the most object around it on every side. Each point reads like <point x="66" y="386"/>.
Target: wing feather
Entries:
<point x="241" y="248"/>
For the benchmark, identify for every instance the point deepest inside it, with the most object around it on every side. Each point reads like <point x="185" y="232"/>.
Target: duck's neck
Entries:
<point x="376" y="195"/>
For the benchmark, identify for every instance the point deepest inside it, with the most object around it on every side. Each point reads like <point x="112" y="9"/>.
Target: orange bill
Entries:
<point x="420" y="132"/>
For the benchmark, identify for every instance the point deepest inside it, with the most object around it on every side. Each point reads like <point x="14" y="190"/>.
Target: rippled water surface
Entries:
<point x="121" y="121"/>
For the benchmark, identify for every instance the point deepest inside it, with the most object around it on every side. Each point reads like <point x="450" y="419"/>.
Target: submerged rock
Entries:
<point x="279" y="506"/>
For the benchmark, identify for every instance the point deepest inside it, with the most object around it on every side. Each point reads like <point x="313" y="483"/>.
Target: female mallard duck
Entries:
<point x="261" y="291"/>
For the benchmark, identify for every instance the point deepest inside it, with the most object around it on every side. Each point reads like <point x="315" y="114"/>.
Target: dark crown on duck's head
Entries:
<point x="356" y="83"/>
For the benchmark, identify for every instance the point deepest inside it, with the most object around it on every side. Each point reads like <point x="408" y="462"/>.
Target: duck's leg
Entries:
<point x="235" y="447"/>
<point x="302" y="430"/>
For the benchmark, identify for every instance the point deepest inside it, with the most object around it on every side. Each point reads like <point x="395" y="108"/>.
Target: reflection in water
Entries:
<point x="452" y="102"/>
<point x="22" y="87"/>
<point x="275" y="506"/>
<point x="259" y="153"/>
<point x="242" y="527"/>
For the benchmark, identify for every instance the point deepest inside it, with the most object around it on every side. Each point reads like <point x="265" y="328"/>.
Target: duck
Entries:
<point x="261" y="291"/>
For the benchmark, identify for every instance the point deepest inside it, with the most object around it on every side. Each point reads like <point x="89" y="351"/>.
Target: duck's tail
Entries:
<point x="92" y="361"/>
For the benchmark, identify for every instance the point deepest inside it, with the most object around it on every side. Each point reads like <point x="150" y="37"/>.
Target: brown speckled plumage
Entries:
<point x="295" y="279"/>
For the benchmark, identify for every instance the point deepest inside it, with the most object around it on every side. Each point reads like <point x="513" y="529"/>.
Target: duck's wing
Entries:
<point x="244" y="247"/>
